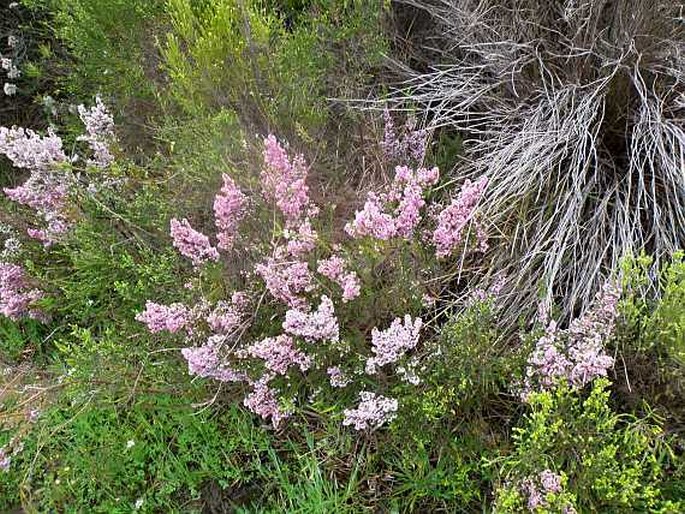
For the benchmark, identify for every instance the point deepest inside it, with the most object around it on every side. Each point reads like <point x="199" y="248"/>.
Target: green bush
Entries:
<point x="612" y="462"/>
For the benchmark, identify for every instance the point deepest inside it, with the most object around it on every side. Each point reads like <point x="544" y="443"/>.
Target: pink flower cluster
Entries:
<point x="16" y="296"/>
<point x="29" y="150"/>
<point x="410" y="144"/>
<point x="337" y="378"/>
<point x="575" y="355"/>
<point x="301" y="240"/>
<point x="286" y="281"/>
<point x="373" y="410"/>
<point x="537" y="489"/>
<point x="227" y="317"/>
<point x="206" y="362"/>
<point x="392" y="343"/>
<point x="334" y="268"/>
<point x="318" y="325"/>
<point x="284" y="182"/>
<point x="47" y="188"/>
<point x="279" y="353"/>
<point x="264" y="402"/>
<point x="229" y="209"/>
<point x="452" y="221"/>
<point x="99" y="132"/>
<point x="397" y="211"/>
<point x="172" y="318"/>
<point x="191" y="243"/>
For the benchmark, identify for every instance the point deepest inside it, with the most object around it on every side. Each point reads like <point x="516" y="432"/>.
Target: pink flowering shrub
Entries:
<point x="373" y="410"/>
<point x="229" y="209"/>
<point x="303" y="290"/>
<point x="575" y="355"/>
<point x="99" y="132"/>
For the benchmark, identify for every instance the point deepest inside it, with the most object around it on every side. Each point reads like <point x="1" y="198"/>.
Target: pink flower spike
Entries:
<point x="191" y="243"/>
<point x="263" y="402"/>
<point x="453" y="219"/>
<point x="229" y="209"/>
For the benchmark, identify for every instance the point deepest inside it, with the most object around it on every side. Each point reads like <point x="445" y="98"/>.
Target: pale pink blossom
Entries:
<point x="99" y="132"/>
<point x="392" y="343"/>
<point x="279" y="353"/>
<point x="335" y="269"/>
<point x="451" y="222"/>
<point x="191" y="243"/>
<point x="16" y="295"/>
<point x="284" y="182"/>
<point x="205" y="361"/>
<point x="230" y="206"/>
<point x="286" y="281"/>
<point x="172" y="318"/>
<point x="337" y="378"/>
<point x="321" y="324"/>
<point x="372" y="412"/>
<point x="262" y="401"/>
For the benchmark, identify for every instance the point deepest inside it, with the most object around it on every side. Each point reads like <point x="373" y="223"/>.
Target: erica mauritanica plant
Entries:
<point x="52" y="174"/>
<point x="293" y="318"/>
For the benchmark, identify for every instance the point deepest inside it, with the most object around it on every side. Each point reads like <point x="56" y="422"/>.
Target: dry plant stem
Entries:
<point x="575" y="110"/>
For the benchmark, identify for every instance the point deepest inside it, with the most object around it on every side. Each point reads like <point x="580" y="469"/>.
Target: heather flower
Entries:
<point x="537" y="489"/>
<point x="379" y="219"/>
<point x="392" y="343"/>
<point x="337" y="378"/>
<point x="302" y="240"/>
<point x="191" y="243"/>
<point x="12" y="41"/>
<point x="226" y="317"/>
<point x="452" y="221"/>
<point x="373" y="410"/>
<point x="284" y="182"/>
<point x="9" y="89"/>
<point x="16" y="296"/>
<point x="99" y="132"/>
<point x="6" y="63"/>
<point x="319" y="325"/>
<point x="575" y="355"/>
<point x="205" y="362"/>
<point x="286" y="281"/>
<point x="372" y="221"/>
<point x="279" y="353"/>
<point x="27" y="149"/>
<point x="334" y="268"/>
<point x="171" y="318"/>
<point x="410" y="144"/>
<point x="229" y="209"/>
<point x="5" y="460"/>
<point x="263" y="402"/>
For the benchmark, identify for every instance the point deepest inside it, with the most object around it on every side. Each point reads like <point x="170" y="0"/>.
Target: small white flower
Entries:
<point x="6" y="63"/>
<point x="130" y="444"/>
<point x="138" y="504"/>
<point x="10" y="89"/>
<point x="13" y="73"/>
<point x="13" y="5"/>
<point x="12" y="41"/>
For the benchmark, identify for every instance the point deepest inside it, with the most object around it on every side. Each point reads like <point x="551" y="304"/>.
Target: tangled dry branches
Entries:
<point x="575" y="109"/>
